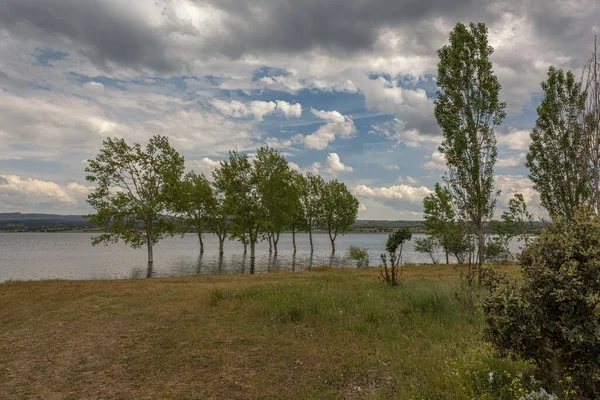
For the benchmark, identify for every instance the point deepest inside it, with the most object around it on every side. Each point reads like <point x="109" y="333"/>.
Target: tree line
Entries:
<point x="143" y="195"/>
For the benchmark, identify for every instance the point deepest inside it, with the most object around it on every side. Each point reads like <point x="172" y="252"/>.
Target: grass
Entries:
<point x="323" y="334"/>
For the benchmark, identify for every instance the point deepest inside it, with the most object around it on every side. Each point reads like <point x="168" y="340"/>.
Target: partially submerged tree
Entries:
<point x="298" y="191"/>
<point x="468" y="110"/>
<point x="339" y="210"/>
<point x="236" y="179"/>
<point x="132" y="192"/>
<point x="312" y="203"/>
<point x="195" y="202"/>
<point x="274" y="186"/>
<point x="558" y="154"/>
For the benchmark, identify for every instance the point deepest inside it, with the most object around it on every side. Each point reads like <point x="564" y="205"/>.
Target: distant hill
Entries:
<point x="55" y="223"/>
<point x="42" y="222"/>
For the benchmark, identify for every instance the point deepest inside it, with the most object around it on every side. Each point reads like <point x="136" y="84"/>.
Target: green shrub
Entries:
<point x="360" y="255"/>
<point x="553" y="317"/>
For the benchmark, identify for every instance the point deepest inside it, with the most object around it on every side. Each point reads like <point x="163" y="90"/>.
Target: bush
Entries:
<point x="553" y="318"/>
<point x="360" y="255"/>
<point x="392" y="274"/>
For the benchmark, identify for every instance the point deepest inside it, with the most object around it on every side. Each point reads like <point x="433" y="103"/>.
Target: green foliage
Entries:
<point x="338" y="211"/>
<point x="195" y="201"/>
<point x="468" y="110"/>
<point x="392" y="274"/>
<point x="429" y="246"/>
<point x="132" y="194"/>
<point x="360" y="255"/>
<point x="441" y="224"/>
<point x="311" y="190"/>
<point x="275" y="189"/>
<point x="496" y="251"/>
<point x="553" y="318"/>
<point x="516" y="222"/>
<point x="236" y="180"/>
<point x="557" y="159"/>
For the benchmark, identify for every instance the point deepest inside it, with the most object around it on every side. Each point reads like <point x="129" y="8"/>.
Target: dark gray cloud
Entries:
<point x="105" y="31"/>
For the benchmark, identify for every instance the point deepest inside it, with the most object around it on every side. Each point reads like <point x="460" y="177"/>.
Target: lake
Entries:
<point x="36" y="256"/>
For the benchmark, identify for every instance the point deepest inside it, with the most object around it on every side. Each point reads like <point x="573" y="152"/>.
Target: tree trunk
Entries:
<point x="332" y="239"/>
<point x="269" y="235"/>
<point x="221" y="240"/>
<point x="252" y="255"/>
<point x="275" y="241"/>
<point x="201" y="242"/>
<point x="310" y="238"/>
<point x="245" y="248"/>
<point x="481" y="253"/>
<point x="150" y="260"/>
<point x="447" y="259"/>
<point x="294" y="239"/>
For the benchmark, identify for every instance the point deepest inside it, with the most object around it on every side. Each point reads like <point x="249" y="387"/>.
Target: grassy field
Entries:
<point x="324" y="334"/>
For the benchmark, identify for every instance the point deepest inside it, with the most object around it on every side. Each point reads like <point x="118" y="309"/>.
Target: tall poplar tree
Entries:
<point x="558" y="160"/>
<point x="468" y="110"/>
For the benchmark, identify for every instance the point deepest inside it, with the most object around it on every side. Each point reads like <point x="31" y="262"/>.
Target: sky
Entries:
<point x="343" y="88"/>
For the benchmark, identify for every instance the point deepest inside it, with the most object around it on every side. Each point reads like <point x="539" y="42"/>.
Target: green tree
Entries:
<point x="312" y="203"/>
<point x="392" y="274"/>
<point x="439" y="218"/>
<point x="194" y="200"/>
<point x="339" y="210"/>
<point x="132" y="192"/>
<point x="468" y="110"/>
<point x="219" y="221"/>
<point x="298" y="191"/>
<point x="274" y="186"/>
<point x="236" y="180"/>
<point x="428" y="245"/>
<point x="552" y="317"/>
<point x="558" y="159"/>
<point x="516" y="222"/>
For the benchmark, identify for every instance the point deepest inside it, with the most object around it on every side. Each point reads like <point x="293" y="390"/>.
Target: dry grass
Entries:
<point x="320" y="334"/>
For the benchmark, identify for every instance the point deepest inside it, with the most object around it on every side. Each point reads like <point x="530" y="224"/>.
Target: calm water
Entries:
<point x="27" y="256"/>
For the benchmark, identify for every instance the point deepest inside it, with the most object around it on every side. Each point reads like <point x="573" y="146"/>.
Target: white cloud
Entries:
<point x="16" y="192"/>
<point x="337" y="125"/>
<point x="514" y="139"/>
<point x="407" y="193"/>
<point x="437" y="162"/>
<point x="256" y="109"/>
<point x="289" y="110"/>
<point x="362" y="207"/>
<point x="336" y="165"/>
<point x="94" y="86"/>
<point x="511" y="161"/>
<point x="407" y="179"/>
<point x="391" y="167"/>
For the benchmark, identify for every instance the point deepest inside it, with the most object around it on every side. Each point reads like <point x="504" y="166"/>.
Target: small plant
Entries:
<point x="360" y="255"/>
<point x="392" y="274"/>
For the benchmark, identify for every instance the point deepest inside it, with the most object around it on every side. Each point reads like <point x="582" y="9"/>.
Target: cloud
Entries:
<point x="407" y="193"/>
<point x="396" y="130"/>
<point x="516" y="160"/>
<point x="391" y="167"/>
<point x="256" y="109"/>
<point x="407" y="179"/>
<point x="289" y="110"/>
<point x="437" y="162"/>
<point x="337" y="125"/>
<point x="336" y="165"/>
<point x="514" y="139"/>
<point x="17" y="192"/>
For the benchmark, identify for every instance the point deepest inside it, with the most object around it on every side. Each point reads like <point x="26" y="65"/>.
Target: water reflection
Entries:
<point x="26" y="256"/>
